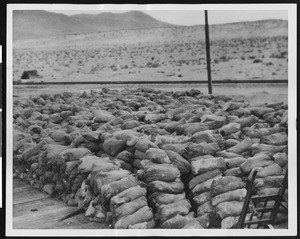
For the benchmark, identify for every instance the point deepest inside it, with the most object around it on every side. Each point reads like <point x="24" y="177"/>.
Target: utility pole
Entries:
<point x="207" y="54"/>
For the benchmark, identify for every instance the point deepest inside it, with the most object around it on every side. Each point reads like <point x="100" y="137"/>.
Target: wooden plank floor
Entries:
<point x="47" y="211"/>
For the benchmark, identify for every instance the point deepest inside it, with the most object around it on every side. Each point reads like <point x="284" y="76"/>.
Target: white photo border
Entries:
<point x="292" y="111"/>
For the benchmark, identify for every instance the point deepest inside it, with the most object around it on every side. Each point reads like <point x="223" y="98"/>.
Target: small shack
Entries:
<point x="32" y="74"/>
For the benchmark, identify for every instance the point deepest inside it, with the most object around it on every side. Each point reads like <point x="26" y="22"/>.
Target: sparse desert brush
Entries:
<point x="257" y="61"/>
<point x="93" y="70"/>
<point x="113" y="67"/>
<point x="152" y="64"/>
<point x="279" y="55"/>
<point x="225" y="58"/>
<point x="268" y="64"/>
<point x="171" y="73"/>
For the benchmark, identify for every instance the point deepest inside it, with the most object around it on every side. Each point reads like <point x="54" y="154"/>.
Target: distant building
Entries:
<point x="32" y="74"/>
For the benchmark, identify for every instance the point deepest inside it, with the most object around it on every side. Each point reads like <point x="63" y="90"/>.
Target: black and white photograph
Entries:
<point x="140" y="120"/>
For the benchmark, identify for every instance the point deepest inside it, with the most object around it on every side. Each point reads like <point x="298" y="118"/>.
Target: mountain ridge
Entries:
<point x="30" y="24"/>
<point x="37" y="24"/>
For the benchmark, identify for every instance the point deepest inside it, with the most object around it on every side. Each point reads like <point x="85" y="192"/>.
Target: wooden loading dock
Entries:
<point x="34" y="210"/>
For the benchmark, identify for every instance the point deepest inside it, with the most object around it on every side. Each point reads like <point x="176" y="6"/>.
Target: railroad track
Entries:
<point x="152" y="82"/>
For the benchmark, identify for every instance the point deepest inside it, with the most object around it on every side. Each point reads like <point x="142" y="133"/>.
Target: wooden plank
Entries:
<point x="25" y="208"/>
<point x="40" y="220"/>
<point x="24" y="188"/>
<point x="17" y="182"/>
<point x="50" y="221"/>
<point x="261" y="198"/>
<point x="256" y="221"/>
<point x="49" y="211"/>
<point x="23" y="193"/>
<point x="90" y="225"/>
<point x="27" y="197"/>
<point x="265" y="209"/>
<point x="242" y="217"/>
<point x="78" y="222"/>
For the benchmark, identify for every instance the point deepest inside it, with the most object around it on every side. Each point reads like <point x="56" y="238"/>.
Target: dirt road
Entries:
<point x="262" y="93"/>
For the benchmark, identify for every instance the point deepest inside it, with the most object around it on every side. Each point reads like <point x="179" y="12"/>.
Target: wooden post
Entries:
<point x="207" y="54"/>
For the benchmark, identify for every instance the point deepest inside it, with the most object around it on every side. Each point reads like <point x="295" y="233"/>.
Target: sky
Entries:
<point x="194" y="17"/>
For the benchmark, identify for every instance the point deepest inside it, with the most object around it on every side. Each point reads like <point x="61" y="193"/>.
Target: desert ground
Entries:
<point x="167" y="54"/>
<point x="151" y="54"/>
<point x="254" y="94"/>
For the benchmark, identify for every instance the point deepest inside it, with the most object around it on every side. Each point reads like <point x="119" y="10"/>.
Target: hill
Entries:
<point x="120" y="21"/>
<point x="35" y="24"/>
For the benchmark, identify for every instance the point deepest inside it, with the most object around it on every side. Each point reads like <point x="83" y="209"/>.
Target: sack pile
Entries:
<point x="204" y="170"/>
<point x="133" y="155"/>
<point x="165" y="189"/>
<point x="121" y="194"/>
<point x="227" y="198"/>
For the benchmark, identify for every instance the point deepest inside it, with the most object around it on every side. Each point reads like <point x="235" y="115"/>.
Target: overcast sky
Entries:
<point x="194" y="17"/>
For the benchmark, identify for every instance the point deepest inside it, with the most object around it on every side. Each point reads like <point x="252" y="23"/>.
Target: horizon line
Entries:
<point x="89" y="13"/>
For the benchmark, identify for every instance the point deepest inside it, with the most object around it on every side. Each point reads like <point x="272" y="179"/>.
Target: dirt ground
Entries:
<point x="152" y="54"/>
<point x="254" y="94"/>
<point x="172" y="54"/>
